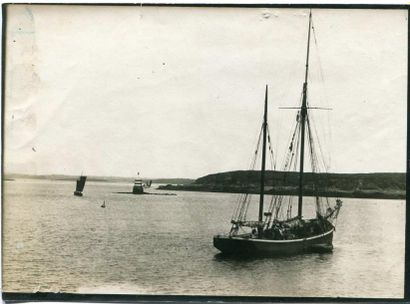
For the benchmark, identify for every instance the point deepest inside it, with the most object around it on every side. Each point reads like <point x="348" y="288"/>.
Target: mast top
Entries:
<point x="308" y="46"/>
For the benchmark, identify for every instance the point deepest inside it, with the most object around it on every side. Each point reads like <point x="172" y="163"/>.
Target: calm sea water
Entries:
<point x="152" y="244"/>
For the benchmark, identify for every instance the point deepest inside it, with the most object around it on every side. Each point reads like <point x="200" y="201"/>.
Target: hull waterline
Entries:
<point x="78" y="193"/>
<point x="254" y="246"/>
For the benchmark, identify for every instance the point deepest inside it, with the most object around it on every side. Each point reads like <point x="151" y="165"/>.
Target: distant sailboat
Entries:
<point x="103" y="204"/>
<point x="80" y="185"/>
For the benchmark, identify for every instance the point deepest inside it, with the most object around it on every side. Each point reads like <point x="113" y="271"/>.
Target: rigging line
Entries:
<point x="290" y="142"/>
<point x="241" y="202"/>
<point x="289" y="208"/>
<point x="291" y="146"/>
<point x="311" y="145"/>
<point x="314" y="175"/>
<point x="272" y="206"/>
<point x="239" y="205"/>
<point x="313" y="132"/>
<point x="291" y="156"/>
<point x="291" y="135"/>
<point x="278" y="207"/>
<point x="277" y="138"/>
<point x="325" y="186"/>
<point x="297" y="150"/>
<point x="322" y="154"/>
<point x="244" y="209"/>
<point x="323" y="85"/>
<point x="321" y="74"/>
<point x="325" y="173"/>
<point x="242" y="199"/>
<point x="272" y="202"/>
<point x="255" y="155"/>
<point x="272" y="154"/>
<point x="324" y="160"/>
<point x="247" y="207"/>
<point x="246" y="202"/>
<point x="241" y="211"/>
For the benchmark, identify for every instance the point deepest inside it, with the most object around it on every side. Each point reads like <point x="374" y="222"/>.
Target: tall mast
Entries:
<point x="303" y="114"/>
<point x="262" y="189"/>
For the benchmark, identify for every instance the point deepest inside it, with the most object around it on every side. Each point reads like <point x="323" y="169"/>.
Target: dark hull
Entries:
<point x="137" y="190"/>
<point x="78" y="193"/>
<point x="254" y="246"/>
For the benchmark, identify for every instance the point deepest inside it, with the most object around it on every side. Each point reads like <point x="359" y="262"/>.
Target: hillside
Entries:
<point x="363" y="185"/>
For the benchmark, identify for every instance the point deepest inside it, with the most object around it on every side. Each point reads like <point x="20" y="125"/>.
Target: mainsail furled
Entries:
<point x="282" y="226"/>
<point x="281" y="208"/>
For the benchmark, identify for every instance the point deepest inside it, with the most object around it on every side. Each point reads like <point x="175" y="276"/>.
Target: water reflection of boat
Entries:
<point x="277" y="230"/>
<point x="80" y="185"/>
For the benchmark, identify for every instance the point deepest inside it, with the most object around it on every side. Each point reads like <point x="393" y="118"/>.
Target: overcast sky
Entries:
<point x="178" y="92"/>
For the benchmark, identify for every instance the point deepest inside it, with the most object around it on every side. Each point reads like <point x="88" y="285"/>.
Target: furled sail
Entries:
<point x="304" y="150"/>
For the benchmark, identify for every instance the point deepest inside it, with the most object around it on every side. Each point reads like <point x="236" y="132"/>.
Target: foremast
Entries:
<point x="263" y="165"/>
<point x="303" y="115"/>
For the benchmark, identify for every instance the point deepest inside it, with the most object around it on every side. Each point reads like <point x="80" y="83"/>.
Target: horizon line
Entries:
<point x="190" y="178"/>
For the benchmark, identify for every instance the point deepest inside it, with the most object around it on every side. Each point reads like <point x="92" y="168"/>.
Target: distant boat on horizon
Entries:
<point x="80" y="185"/>
<point x="138" y="187"/>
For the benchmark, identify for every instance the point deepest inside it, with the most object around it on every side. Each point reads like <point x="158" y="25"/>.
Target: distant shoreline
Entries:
<point x="103" y="179"/>
<point x="336" y="193"/>
<point x="365" y="185"/>
<point x="352" y="185"/>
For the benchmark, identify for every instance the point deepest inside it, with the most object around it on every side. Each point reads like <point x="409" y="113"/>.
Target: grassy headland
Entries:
<point x="362" y="185"/>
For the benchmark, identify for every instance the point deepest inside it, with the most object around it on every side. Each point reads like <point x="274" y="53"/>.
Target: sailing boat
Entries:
<point x="80" y="185"/>
<point x="103" y="205"/>
<point x="277" y="231"/>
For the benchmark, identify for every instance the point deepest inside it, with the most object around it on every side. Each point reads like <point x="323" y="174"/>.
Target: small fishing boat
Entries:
<point x="277" y="231"/>
<point x="80" y="185"/>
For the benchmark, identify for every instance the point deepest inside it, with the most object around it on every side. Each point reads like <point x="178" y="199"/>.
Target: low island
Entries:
<point x="354" y="185"/>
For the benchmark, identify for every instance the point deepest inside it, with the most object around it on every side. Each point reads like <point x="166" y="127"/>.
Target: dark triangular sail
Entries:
<point x="81" y="183"/>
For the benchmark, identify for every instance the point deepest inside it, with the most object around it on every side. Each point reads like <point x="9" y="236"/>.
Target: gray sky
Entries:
<point x="178" y="92"/>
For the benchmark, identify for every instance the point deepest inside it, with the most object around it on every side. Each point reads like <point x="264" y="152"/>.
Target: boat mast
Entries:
<point x="262" y="189"/>
<point x="303" y="114"/>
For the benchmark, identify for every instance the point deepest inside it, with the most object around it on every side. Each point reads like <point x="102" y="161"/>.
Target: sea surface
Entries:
<point x="162" y="244"/>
